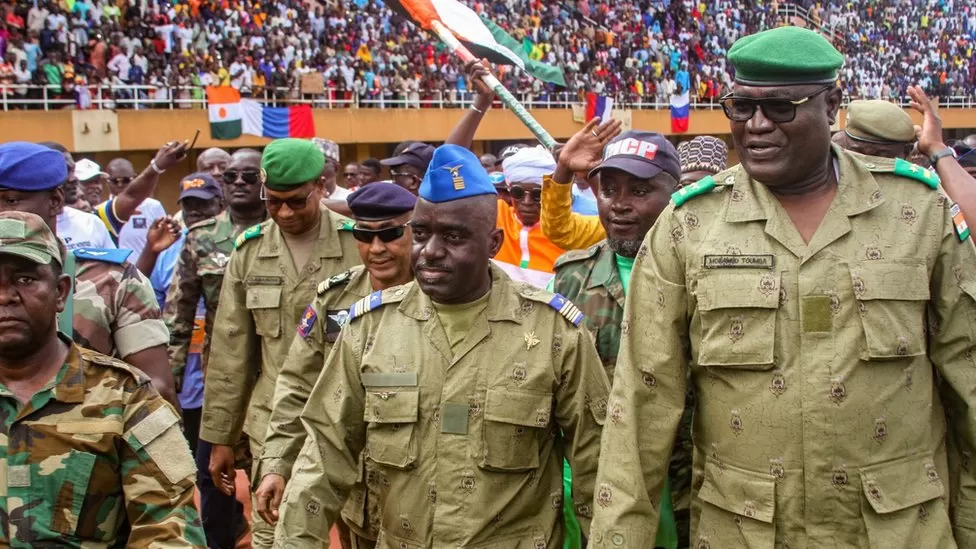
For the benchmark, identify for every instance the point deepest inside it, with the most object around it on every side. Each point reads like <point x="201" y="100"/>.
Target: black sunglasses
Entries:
<point x="350" y="175"/>
<point x="386" y="235"/>
<point x="518" y="193"/>
<point x="404" y="174"/>
<point x="295" y="203"/>
<point x="122" y="180"/>
<point x="780" y="111"/>
<point x="248" y="177"/>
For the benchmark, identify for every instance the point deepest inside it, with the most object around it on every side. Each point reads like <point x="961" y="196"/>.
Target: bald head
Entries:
<point x="213" y="161"/>
<point x="120" y="174"/>
<point x="970" y="141"/>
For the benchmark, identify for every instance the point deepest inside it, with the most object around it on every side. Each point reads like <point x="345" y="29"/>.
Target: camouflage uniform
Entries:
<point x="261" y="304"/>
<point x="816" y="367"/>
<point x="306" y="358"/>
<point x="199" y="273"/>
<point x="464" y="449"/>
<point x="115" y="311"/>
<point x="96" y="457"/>
<point x="590" y="279"/>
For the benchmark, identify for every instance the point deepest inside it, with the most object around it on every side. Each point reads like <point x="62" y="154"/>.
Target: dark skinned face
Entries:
<point x="786" y="155"/>
<point x="629" y="206"/>
<point x="196" y="209"/>
<point x="387" y="262"/>
<point x="31" y="295"/>
<point x="214" y="162"/>
<point x="120" y="174"/>
<point x="350" y="175"/>
<point x="407" y="176"/>
<point x="92" y="189"/>
<point x="295" y="211"/>
<point x="453" y="243"/>
<point x="44" y="204"/>
<point x="239" y="194"/>
<point x="527" y="209"/>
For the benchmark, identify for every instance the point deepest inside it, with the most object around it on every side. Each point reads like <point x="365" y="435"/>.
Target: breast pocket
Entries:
<point x="264" y="303"/>
<point x="513" y="425"/>
<point x="737" y="310"/>
<point x="891" y="300"/>
<point x="391" y="414"/>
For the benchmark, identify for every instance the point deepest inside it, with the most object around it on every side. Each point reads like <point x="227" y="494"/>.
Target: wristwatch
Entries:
<point x="940" y="154"/>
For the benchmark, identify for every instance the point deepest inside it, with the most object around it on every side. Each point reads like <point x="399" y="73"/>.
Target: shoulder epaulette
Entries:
<point x="249" y="234"/>
<point x="375" y="300"/>
<point x="204" y="223"/>
<point x="337" y="280"/>
<point x="105" y="255"/>
<point x="345" y="224"/>
<point x="566" y="308"/>
<point x="573" y="256"/>
<point x="905" y="168"/>
<point x="103" y="360"/>
<point x="698" y="188"/>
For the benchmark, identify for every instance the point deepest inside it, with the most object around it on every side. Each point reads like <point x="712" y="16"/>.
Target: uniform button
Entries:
<point x="730" y="180"/>
<point x="598" y="537"/>
<point x="870" y="166"/>
<point x="617" y="539"/>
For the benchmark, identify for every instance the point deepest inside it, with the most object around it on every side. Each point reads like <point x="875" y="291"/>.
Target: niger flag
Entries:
<point x="225" y="112"/>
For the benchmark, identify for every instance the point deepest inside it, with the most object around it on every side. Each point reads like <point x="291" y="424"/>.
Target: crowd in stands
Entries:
<point x="637" y="51"/>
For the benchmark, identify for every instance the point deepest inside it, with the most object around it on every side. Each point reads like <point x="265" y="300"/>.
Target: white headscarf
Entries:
<point x="529" y="165"/>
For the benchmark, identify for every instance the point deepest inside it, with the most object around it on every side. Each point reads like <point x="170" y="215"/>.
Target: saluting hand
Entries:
<point x="584" y="151"/>
<point x="930" y="135"/>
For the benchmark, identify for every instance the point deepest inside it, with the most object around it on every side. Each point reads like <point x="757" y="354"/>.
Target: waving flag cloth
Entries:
<point x="679" y="113"/>
<point x="598" y="106"/>
<point x="277" y="122"/>
<point x="224" y="104"/>
<point x="466" y="34"/>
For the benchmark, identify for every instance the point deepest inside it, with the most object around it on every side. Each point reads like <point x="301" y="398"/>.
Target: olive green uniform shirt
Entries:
<point x="816" y="368"/>
<point x="261" y="303"/>
<point x="466" y="448"/>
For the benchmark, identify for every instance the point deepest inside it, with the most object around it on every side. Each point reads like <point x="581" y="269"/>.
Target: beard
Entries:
<point x="626" y="248"/>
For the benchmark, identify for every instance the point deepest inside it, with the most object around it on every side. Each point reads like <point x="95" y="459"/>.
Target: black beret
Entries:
<point x="378" y="201"/>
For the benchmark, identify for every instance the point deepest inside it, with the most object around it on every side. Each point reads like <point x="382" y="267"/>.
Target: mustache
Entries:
<point x="424" y="266"/>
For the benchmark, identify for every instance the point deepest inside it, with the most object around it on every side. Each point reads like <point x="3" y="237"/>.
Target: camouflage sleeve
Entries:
<point x="952" y="333"/>
<point x="295" y="380"/>
<point x="181" y="306"/>
<point x="137" y="325"/>
<point x="333" y="421"/>
<point x="158" y="475"/>
<point x="231" y="372"/>
<point x="648" y="396"/>
<point x="581" y="405"/>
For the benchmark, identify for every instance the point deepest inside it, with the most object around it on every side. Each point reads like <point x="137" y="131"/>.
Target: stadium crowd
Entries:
<point x="635" y="51"/>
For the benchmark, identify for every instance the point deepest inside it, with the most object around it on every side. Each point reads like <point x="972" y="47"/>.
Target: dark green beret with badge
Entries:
<point x="785" y="56"/>
<point x="290" y="163"/>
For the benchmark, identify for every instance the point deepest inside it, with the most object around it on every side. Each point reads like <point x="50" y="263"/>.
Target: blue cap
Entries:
<point x="30" y="168"/>
<point x="455" y="173"/>
<point x="378" y="201"/>
<point x="200" y="185"/>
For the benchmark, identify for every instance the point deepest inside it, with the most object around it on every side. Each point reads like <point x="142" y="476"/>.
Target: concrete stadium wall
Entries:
<point x="362" y="133"/>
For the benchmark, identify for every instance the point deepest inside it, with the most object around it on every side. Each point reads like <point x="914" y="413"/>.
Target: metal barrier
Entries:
<point x="13" y="97"/>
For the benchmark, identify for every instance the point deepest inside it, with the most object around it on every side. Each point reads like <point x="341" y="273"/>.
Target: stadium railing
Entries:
<point x="37" y="97"/>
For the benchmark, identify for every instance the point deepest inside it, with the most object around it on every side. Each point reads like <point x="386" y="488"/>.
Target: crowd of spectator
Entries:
<point x="165" y="51"/>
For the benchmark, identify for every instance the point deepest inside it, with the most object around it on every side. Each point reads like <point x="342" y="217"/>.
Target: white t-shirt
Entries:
<point x="340" y="193"/>
<point x="78" y="229"/>
<point x="133" y="233"/>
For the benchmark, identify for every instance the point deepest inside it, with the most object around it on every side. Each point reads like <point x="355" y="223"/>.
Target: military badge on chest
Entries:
<point x="334" y="321"/>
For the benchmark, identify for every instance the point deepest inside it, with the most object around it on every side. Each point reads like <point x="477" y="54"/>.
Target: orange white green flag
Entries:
<point x="224" y="104"/>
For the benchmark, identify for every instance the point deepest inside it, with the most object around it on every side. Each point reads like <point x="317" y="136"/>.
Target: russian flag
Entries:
<point x="598" y="106"/>
<point x="276" y="122"/>
<point x="679" y="113"/>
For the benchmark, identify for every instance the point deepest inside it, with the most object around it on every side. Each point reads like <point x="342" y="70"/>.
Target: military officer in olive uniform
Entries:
<point x="816" y="296"/>
<point x="382" y="212"/>
<point x="270" y="280"/>
<point x="465" y="390"/>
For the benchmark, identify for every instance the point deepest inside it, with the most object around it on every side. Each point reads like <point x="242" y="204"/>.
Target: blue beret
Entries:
<point x="455" y="173"/>
<point x="29" y="167"/>
<point x="378" y="201"/>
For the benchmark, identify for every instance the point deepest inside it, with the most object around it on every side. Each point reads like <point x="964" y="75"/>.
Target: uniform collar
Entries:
<point x="70" y="385"/>
<point x="604" y="268"/>
<point x="503" y="300"/>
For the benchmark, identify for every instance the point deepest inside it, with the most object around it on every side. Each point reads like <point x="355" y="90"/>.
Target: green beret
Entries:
<point x="879" y="121"/>
<point x="785" y="56"/>
<point x="289" y="163"/>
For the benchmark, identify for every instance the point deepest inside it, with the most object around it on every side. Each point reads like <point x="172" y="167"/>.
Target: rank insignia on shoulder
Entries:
<point x="345" y="225"/>
<point x="905" y="168"/>
<point x="366" y="304"/>
<point x="251" y="233"/>
<point x="566" y="308"/>
<point x="104" y="255"/>
<point x="959" y="221"/>
<point x="334" y="281"/>
<point x="698" y="188"/>
<point x="307" y="322"/>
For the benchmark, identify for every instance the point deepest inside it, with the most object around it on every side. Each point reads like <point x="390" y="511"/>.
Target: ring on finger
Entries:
<point x="594" y="134"/>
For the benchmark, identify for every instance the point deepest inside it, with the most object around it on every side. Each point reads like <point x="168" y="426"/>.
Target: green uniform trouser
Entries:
<point x="667" y="532"/>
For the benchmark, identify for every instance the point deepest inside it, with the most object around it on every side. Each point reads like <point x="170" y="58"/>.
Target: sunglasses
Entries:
<point x="404" y="174"/>
<point x="121" y="180"/>
<point x="350" y="175"/>
<point x="248" y="177"/>
<point x="295" y="203"/>
<point x="386" y="235"/>
<point x="779" y="111"/>
<point x="518" y="193"/>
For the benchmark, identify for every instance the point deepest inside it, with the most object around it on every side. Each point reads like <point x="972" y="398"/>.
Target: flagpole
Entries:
<point x="506" y="96"/>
